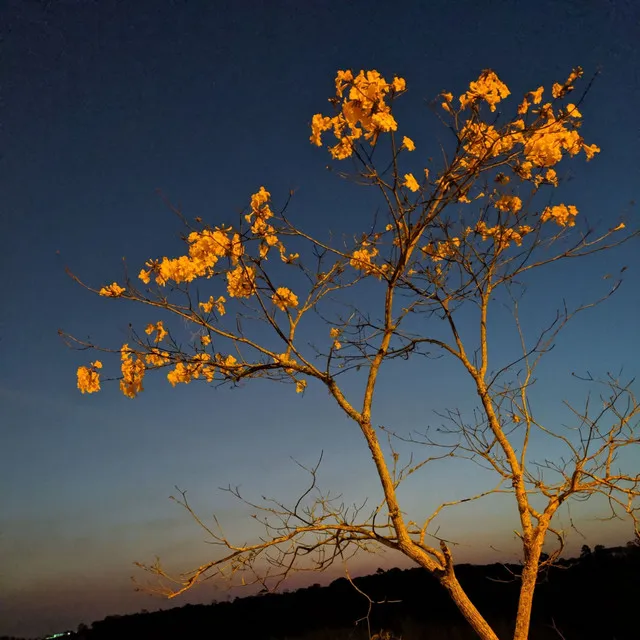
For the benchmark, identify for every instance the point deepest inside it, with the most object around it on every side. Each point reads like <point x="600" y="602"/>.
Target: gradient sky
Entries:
<point x="104" y="102"/>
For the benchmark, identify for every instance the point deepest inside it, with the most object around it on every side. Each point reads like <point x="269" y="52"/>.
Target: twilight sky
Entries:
<point x="104" y="102"/>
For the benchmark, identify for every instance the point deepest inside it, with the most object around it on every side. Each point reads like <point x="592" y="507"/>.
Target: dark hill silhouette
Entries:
<point x="593" y="596"/>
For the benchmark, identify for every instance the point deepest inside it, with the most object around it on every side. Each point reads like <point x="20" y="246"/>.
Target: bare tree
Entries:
<point x="449" y="246"/>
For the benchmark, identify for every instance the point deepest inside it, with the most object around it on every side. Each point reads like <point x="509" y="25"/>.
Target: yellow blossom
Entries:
<point x="205" y="249"/>
<point x="487" y="87"/>
<point x="241" y="282"/>
<point x="551" y="177"/>
<point x="319" y="124"/>
<point x="259" y="199"/>
<point x="363" y="114"/>
<point x="545" y="146"/>
<point x="399" y="84"/>
<point x="536" y="96"/>
<point x="207" y="307"/>
<point x="288" y="259"/>
<point x="410" y="182"/>
<point x="205" y="340"/>
<point x="361" y="259"/>
<point x="180" y="374"/>
<point x="562" y="215"/>
<point x="502" y="236"/>
<point x="335" y="332"/>
<point x="560" y="90"/>
<point x="343" y="150"/>
<point x="300" y="385"/>
<point x="590" y="150"/>
<point x="229" y="361"/>
<point x="133" y="371"/>
<point x="89" y="379"/>
<point x="285" y="359"/>
<point x="483" y="141"/>
<point x="209" y="372"/>
<point x="157" y="358"/>
<point x="112" y="291"/>
<point x="524" y="170"/>
<point x="260" y="213"/>
<point x="384" y="121"/>
<point x="408" y="144"/>
<point x="159" y="328"/>
<point x="574" y="75"/>
<point x="284" y="298"/>
<point x="343" y="78"/>
<point x="444" y="251"/>
<point x="185" y="372"/>
<point x="572" y="111"/>
<point x="218" y="303"/>
<point x="145" y="276"/>
<point x="509" y="203"/>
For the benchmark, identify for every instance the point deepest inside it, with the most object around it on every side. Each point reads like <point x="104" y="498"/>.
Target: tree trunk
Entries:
<point x="527" y="587"/>
<point x="467" y="608"/>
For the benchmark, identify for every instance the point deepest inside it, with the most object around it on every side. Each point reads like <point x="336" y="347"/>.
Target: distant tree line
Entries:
<point x="593" y="596"/>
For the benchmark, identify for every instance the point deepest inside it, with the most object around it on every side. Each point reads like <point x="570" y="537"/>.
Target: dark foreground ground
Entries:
<point x="596" y="596"/>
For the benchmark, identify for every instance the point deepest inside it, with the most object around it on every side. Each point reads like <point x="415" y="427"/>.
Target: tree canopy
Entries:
<point x="451" y="243"/>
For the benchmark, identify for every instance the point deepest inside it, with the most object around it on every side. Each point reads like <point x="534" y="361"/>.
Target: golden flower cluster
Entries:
<point x="89" y="378"/>
<point x="502" y="235"/>
<point x="408" y="144"/>
<point x="185" y="372"/>
<point x="260" y="211"/>
<point x="543" y="144"/>
<point x="410" y="182"/>
<point x="258" y="216"/>
<point x="560" y="90"/>
<point x="241" y="282"/>
<point x="157" y="358"/>
<point x="507" y="203"/>
<point x="158" y="327"/>
<point x="112" y="291"/>
<point x="362" y="259"/>
<point x="206" y="247"/>
<point x="531" y="145"/>
<point x="133" y="371"/>
<point x="487" y="87"/>
<point x="562" y="215"/>
<point x="284" y="298"/>
<point x="443" y="250"/>
<point x="211" y="303"/>
<point x="364" y="112"/>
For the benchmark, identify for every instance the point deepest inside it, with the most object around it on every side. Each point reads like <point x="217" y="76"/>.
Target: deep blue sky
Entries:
<point x="104" y="102"/>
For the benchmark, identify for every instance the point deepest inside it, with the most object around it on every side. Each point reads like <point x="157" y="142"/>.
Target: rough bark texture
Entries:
<point x="467" y="608"/>
<point x="527" y="587"/>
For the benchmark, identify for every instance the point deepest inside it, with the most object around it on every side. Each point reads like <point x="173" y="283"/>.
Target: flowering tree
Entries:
<point x="448" y="243"/>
